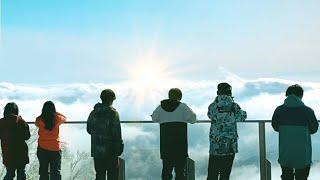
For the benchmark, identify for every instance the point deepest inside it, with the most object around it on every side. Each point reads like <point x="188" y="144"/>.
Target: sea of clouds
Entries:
<point x="259" y="97"/>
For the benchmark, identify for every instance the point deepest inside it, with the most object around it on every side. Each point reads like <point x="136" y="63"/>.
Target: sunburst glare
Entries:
<point x="148" y="77"/>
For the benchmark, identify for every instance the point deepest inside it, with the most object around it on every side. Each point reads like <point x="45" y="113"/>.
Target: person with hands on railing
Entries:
<point x="173" y="116"/>
<point x="224" y="114"/>
<point x="14" y="132"/>
<point x="295" y="123"/>
<point x="49" y="144"/>
<point x="106" y="141"/>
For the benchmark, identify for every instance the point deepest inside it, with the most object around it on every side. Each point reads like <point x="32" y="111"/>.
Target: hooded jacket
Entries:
<point x="14" y="131"/>
<point x="224" y="114"/>
<point x="173" y="117"/>
<point x="295" y="123"/>
<point x="104" y="127"/>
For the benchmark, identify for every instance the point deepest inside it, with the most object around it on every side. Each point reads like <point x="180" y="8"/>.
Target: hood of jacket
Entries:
<point x="102" y="107"/>
<point x="13" y="119"/>
<point x="224" y="102"/>
<point x="170" y="105"/>
<point x="293" y="101"/>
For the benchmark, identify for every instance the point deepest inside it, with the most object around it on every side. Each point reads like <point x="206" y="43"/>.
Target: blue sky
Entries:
<point x="66" y="41"/>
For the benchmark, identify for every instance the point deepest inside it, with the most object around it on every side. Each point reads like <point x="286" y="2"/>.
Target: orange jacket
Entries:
<point x="50" y="140"/>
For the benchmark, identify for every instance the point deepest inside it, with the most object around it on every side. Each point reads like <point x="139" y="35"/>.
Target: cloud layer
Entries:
<point x="258" y="97"/>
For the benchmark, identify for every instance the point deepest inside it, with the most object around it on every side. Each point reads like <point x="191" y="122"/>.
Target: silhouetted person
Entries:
<point x="173" y="117"/>
<point x="14" y="132"/>
<point x="295" y="123"/>
<point x="106" y="141"/>
<point x="224" y="114"/>
<point x="49" y="145"/>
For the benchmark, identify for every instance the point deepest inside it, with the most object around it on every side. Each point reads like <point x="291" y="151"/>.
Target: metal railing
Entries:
<point x="265" y="165"/>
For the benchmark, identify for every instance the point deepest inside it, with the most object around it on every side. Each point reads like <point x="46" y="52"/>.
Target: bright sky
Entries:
<point x="64" y="41"/>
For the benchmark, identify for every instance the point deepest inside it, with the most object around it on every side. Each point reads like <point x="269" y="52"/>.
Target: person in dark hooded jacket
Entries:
<point x="14" y="131"/>
<point x="173" y="117"/>
<point x="106" y="141"/>
<point x="295" y="123"/>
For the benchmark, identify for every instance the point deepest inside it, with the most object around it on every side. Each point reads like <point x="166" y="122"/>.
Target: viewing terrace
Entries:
<point x="125" y="163"/>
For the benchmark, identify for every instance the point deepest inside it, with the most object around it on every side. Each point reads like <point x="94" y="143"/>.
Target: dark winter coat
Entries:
<point x="104" y="127"/>
<point x="14" y="132"/>
<point x="295" y="123"/>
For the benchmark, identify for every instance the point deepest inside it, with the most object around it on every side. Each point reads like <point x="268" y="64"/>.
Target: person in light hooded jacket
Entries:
<point x="173" y="116"/>
<point x="295" y="123"/>
<point x="224" y="114"/>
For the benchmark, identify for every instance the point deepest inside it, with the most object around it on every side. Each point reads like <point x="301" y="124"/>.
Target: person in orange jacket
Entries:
<point x="49" y="145"/>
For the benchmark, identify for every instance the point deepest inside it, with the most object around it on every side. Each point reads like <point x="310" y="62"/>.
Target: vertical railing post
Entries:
<point x="190" y="169"/>
<point x="262" y="150"/>
<point x="268" y="170"/>
<point x="122" y="169"/>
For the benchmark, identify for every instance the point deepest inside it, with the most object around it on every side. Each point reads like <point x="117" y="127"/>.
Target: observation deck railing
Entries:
<point x="265" y="165"/>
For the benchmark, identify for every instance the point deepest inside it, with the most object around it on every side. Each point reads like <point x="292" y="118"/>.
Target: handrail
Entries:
<point x="265" y="165"/>
<point x="150" y="122"/>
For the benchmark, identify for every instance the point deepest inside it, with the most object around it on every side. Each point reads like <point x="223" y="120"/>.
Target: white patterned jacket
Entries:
<point x="224" y="114"/>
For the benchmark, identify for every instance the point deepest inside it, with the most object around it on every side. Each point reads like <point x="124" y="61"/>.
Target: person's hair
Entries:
<point x="224" y="89"/>
<point x="296" y="90"/>
<point x="175" y="94"/>
<point x="48" y="115"/>
<point x="107" y="96"/>
<point x="10" y="109"/>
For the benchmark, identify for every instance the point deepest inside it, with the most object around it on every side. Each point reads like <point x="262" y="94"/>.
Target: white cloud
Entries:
<point x="258" y="97"/>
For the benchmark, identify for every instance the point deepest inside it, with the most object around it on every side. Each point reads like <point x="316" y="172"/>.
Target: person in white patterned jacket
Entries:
<point x="224" y="114"/>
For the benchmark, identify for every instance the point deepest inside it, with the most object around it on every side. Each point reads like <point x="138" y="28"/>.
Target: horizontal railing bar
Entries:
<point x="150" y="122"/>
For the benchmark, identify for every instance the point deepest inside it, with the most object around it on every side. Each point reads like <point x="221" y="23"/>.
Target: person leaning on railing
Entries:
<point x="295" y="123"/>
<point x="14" y="132"/>
<point x="224" y="114"/>
<point x="49" y="145"/>
<point x="173" y="117"/>
<point x="106" y="141"/>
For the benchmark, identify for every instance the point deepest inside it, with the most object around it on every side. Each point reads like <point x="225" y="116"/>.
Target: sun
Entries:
<point x="149" y="74"/>
<point x="147" y="80"/>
